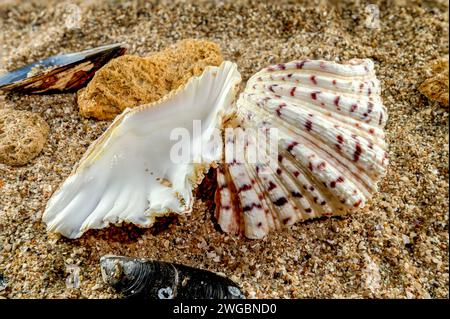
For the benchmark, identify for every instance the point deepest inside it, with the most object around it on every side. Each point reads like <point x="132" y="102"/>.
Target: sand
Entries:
<point x="397" y="247"/>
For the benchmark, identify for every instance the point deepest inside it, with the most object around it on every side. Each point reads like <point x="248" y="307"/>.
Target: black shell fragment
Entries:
<point x="3" y="282"/>
<point x="146" y="279"/>
<point x="68" y="72"/>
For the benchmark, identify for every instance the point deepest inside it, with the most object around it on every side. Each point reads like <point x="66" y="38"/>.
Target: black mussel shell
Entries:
<point x="67" y="72"/>
<point x="147" y="279"/>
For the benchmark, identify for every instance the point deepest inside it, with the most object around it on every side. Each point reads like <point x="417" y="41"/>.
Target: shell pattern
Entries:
<point x="147" y="279"/>
<point x="330" y="148"/>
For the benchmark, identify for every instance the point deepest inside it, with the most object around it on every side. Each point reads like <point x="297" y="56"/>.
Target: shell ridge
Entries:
<point x="312" y="189"/>
<point x="336" y="119"/>
<point x="335" y="104"/>
<point x="323" y="143"/>
<point x="326" y="176"/>
<point x="270" y="213"/>
<point x="271" y="183"/>
<point x="332" y="152"/>
<point x="362" y="67"/>
<point x="305" y="187"/>
<point x="322" y="148"/>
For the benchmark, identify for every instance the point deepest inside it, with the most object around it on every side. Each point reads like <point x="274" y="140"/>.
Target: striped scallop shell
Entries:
<point x="330" y="149"/>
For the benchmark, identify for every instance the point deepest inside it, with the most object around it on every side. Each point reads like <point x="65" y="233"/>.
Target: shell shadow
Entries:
<point x="131" y="233"/>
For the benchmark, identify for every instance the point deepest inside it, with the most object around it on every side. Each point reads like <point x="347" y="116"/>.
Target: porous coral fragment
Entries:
<point x="22" y="136"/>
<point x="129" y="80"/>
<point x="436" y="86"/>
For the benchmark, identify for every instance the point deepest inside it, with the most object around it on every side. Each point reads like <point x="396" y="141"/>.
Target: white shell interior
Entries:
<point x="127" y="175"/>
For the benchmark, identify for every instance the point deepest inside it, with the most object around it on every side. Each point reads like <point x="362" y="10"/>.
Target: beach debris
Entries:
<point x="3" y="282"/>
<point x="73" y="279"/>
<point x="22" y="136"/>
<point x="129" y="81"/>
<point x="147" y="279"/>
<point x="371" y="274"/>
<point x="329" y="154"/>
<point x="435" y="87"/>
<point x="59" y="73"/>
<point x="130" y="175"/>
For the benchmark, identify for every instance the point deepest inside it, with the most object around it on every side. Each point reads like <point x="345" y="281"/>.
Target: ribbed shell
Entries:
<point x="331" y="148"/>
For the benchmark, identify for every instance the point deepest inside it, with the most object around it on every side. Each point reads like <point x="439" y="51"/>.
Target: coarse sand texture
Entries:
<point x="396" y="247"/>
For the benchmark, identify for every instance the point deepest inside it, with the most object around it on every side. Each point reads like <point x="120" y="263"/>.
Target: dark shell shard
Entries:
<point x="3" y="282"/>
<point x="67" y="72"/>
<point x="147" y="279"/>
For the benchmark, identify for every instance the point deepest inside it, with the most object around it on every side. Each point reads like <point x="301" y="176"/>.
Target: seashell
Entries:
<point x="128" y="174"/>
<point x="436" y="86"/>
<point x="22" y="136"/>
<point x="129" y="81"/>
<point x="329" y="154"/>
<point x="3" y="282"/>
<point x="59" y="73"/>
<point x="145" y="279"/>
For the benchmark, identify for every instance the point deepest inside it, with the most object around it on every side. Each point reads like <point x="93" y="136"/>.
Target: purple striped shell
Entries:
<point x="330" y="151"/>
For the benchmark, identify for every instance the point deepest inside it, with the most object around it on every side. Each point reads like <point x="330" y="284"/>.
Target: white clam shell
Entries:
<point x="127" y="175"/>
<point x="331" y="148"/>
